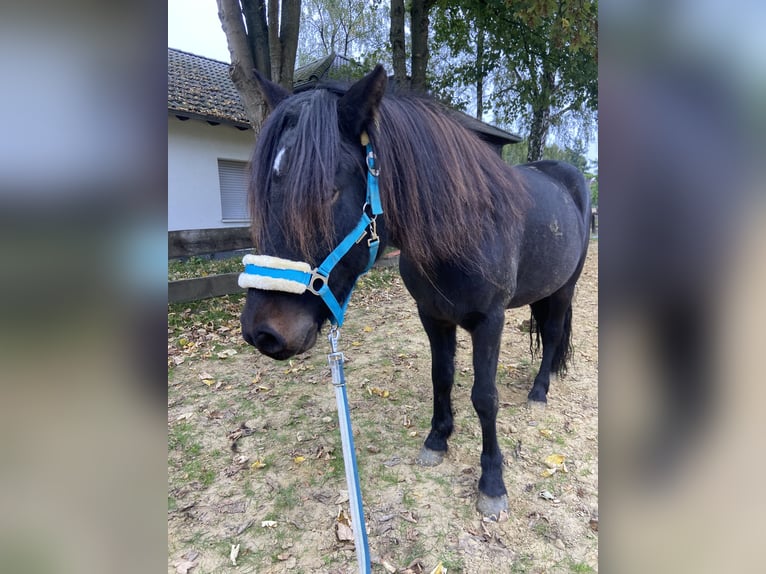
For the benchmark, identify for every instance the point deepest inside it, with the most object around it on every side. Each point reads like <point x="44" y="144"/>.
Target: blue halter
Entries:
<point x="317" y="280"/>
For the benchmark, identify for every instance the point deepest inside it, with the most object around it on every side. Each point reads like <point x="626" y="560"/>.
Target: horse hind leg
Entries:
<point x="442" y="337"/>
<point x="553" y="325"/>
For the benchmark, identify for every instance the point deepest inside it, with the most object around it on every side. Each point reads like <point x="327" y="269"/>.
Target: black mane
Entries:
<point x="437" y="178"/>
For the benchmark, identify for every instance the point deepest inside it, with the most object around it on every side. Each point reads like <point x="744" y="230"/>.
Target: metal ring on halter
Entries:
<point x="316" y="276"/>
<point x="371" y="164"/>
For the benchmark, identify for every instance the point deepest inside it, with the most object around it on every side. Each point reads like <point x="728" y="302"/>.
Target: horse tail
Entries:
<point x="563" y="354"/>
<point x="535" y="340"/>
<point x="564" y="350"/>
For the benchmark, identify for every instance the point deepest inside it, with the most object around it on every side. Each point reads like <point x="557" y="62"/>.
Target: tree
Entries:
<point x="419" y="54"/>
<point x="553" y="60"/>
<point x="262" y="35"/>
<point x="349" y="28"/>
<point x="535" y="59"/>
<point x="398" y="50"/>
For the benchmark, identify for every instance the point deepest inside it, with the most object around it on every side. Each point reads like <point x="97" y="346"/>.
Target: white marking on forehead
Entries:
<point x="278" y="161"/>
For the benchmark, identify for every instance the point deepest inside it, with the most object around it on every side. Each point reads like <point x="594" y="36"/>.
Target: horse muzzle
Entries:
<point x="277" y="326"/>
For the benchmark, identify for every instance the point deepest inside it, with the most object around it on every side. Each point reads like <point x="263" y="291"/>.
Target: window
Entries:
<point x="233" y="176"/>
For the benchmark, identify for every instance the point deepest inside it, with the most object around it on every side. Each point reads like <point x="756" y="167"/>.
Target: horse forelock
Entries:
<point x="293" y="171"/>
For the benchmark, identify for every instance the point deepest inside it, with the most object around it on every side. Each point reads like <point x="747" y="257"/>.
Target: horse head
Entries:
<point x="308" y="191"/>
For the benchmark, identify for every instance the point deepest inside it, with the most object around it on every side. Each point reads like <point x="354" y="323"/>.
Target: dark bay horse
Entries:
<point x="476" y="237"/>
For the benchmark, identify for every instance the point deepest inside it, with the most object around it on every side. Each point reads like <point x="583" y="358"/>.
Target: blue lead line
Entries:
<point x="349" y="457"/>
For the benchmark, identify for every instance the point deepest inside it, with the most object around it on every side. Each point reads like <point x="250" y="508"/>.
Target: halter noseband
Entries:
<point x="277" y="274"/>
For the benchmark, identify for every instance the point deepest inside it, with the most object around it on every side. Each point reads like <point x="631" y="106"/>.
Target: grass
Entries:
<point x="579" y="566"/>
<point x="202" y="267"/>
<point x="214" y="313"/>
<point x="180" y="436"/>
<point x="378" y="278"/>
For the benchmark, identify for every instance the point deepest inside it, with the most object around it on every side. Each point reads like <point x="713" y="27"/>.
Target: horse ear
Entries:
<point x="271" y="92"/>
<point x="359" y="106"/>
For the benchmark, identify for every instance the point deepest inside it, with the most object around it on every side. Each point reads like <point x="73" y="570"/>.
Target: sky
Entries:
<point x="193" y="26"/>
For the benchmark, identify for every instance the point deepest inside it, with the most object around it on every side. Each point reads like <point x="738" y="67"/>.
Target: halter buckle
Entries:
<point x="373" y="232"/>
<point x="371" y="161"/>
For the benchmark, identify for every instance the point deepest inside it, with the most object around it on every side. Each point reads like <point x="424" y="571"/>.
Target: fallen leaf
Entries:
<point x="379" y="392"/>
<point x="439" y="569"/>
<point x="554" y="460"/>
<point x="367" y="329"/>
<point x="258" y="464"/>
<point x="226" y="353"/>
<point x="548" y="472"/>
<point x="344" y="532"/>
<point x="546" y="433"/>
<point x="208" y="382"/>
<point x="185" y="416"/>
<point x="343" y="529"/>
<point x="268" y="524"/>
<point x="233" y="554"/>
<point x="299" y="459"/>
<point x="546" y="495"/>
<point x="283" y="556"/>
<point x="342" y="497"/>
<point x="183" y="566"/>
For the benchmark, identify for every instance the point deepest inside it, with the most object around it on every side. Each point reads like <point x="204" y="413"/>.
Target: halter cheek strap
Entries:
<point x="276" y="274"/>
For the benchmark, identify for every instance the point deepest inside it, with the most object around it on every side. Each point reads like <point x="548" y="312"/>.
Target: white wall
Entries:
<point x="194" y="148"/>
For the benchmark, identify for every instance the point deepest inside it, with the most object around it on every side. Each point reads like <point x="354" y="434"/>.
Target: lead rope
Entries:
<point x="335" y="358"/>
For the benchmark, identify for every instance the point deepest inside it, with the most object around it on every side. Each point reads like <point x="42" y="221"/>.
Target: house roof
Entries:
<point x="313" y="71"/>
<point x="487" y="132"/>
<point x="201" y="88"/>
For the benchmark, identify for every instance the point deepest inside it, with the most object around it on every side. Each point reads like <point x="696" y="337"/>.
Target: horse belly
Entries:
<point x="549" y="259"/>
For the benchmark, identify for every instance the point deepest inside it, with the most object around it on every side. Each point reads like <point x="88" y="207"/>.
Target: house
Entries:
<point x="210" y="140"/>
<point x="209" y="145"/>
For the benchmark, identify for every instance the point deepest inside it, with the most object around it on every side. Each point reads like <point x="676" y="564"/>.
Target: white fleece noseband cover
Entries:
<point x="274" y="274"/>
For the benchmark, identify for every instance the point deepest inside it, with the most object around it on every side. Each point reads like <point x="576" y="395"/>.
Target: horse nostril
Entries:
<point x="267" y="341"/>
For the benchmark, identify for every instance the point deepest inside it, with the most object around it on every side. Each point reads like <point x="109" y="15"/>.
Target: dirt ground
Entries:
<point x="276" y="498"/>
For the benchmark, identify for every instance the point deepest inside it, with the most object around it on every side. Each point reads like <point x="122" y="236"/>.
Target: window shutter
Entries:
<point x="233" y="176"/>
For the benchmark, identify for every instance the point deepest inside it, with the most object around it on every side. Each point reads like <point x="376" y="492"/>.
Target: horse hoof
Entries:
<point x="536" y="405"/>
<point x="428" y="457"/>
<point x="492" y="507"/>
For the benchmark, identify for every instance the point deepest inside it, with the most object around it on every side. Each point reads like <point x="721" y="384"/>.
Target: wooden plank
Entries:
<point x="185" y="290"/>
<point x="188" y="242"/>
<point x="197" y="288"/>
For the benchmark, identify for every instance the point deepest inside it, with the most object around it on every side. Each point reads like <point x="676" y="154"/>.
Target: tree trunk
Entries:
<point x="419" y="31"/>
<point x="541" y="115"/>
<point x="479" y="72"/>
<point x="258" y="34"/>
<point x="242" y="64"/>
<point x="288" y="41"/>
<point x="398" y="55"/>
<point x="538" y="132"/>
<point x="274" y="45"/>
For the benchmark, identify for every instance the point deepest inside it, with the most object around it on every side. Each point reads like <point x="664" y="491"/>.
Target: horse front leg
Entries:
<point x="441" y="335"/>
<point x="486" y="335"/>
